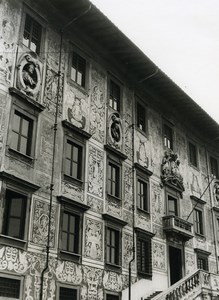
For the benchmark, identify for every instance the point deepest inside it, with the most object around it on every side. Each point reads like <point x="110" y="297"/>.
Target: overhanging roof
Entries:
<point x="97" y="26"/>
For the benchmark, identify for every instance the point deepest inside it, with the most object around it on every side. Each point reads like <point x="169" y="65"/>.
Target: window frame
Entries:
<point x="215" y="160"/>
<point x="117" y="83"/>
<point x="140" y="103"/>
<point x="110" y="293"/>
<point x="77" y="137"/>
<point x="193" y="161"/>
<point x="70" y="287"/>
<point x="167" y="125"/>
<point x="202" y="256"/>
<point x="198" y="206"/>
<point x="14" y="277"/>
<point x="77" y="209"/>
<point x="145" y="237"/>
<point x="174" y="194"/>
<point x="41" y="21"/>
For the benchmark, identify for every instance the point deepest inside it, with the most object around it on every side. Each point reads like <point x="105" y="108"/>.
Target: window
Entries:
<point x="198" y="221"/>
<point x="32" y="34"/>
<point x="70" y="232"/>
<point x="142" y="197"/>
<point x="172" y="206"/>
<point x="78" y="69"/>
<point x="112" y="246"/>
<point x="73" y="160"/>
<point x="112" y="297"/>
<point x="113" y="180"/>
<point x="114" y="95"/>
<point x="71" y="223"/>
<point x="141" y="117"/>
<point x="193" y="155"/>
<point x="22" y="129"/>
<point x="202" y="259"/>
<point x="144" y="253"/>
<point x="9" y="288"/>
<point x="168" y="136"/>
<point x="15" y="213"/>
<point x="68" y="294"/>
<point x="214" y="167"/>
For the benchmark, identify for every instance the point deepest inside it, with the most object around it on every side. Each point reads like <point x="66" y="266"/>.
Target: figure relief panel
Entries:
<point x="40" y="221"/>
<point x="141" y="150"/>
<point x="95" y="204"/>
<point x="115" y="134"/>
<point x="112" y="281"/>
<point x="159" y="256"/>
<point x="29" y="74"/>
<point x="68" y="272"/>
<point x="76" y="107"/>
<point x="216" y="193"/>
<point x="157" y="204"/>
<point x="92" y="287"/>
<point x="97" y="107"/>
<point x="128" y="176"/>
<point x="9" y="27"/>
<point x="95" y="171"/>
<point x="155" y="133"/>
<point x="127" y="121"/>
<point x="127" y="250"/>
<point x="195" y="186"/>
<point x="93" y="246"/>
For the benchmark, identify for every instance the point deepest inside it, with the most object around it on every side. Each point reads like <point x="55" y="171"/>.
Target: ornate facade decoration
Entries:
<point x="29" y="75"/>
<point x="127" y="250"/>
<point x="128" y="179"/>
<point x="95" y="172"/>
<point x="115" y="130"/>
<point x="216" y="193"/>
<point x="112" y="281"/>
<point x="159" y="255"/>
<point x="170" y="170"/>
<point x="93" y="247"/>
<point x="113" y="206"/>
<point x="95" y="204"/>
<point x="93" y="279"/>
<point x="13" y="260"/>
<point x="141" y="150"/>
<point x="72" y="191"/>
<point x="40" y="223"/>
<point x="157" y="207"/>
<point x="69" y="272"/>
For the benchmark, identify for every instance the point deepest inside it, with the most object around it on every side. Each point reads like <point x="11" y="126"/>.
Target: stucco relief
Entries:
<point x="76" y="108"/>
<point x="40" y="219"/>
<point x="95" y="204"/>
<point x="93" y="279"/>
<point x="97" y="116"/>
<point x="142" y="151"/>
<point x="195" y="186"/>
<point x="189" y="262"/>
<point x="72" y="191"/>
<point x="157" y="206"/>
<point x="170" y="169"/>
<point x="68" y="272"/>
<point x="128" y="199"/>
<point x="127" y="250"/>
<point x="7" y="50"/>
<point x="113" y="207"/>
<point x="12" y="259"/>
<point x="112" y="281"/>
<point x="51" y="91"/>
<point x="159" y="256"/>
<point x="29" y="75"/>
<point x="143" y="221"/>
<point x="95" y="171"/>
<point x="93" y="246"/>
<point x="115" y="134"/>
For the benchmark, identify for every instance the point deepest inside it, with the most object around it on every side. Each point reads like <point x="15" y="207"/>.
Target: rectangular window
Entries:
<point x="32" y="34"/>
<point x="144" y="263"/>
<point x="214" y="167"/>
<point x="198" y="221"/>
<point x="112" y="246"/>
<point x="15" y="213"/>
<point x="141" y="117"/>
<point x="78" y="69"/>
<point x="113" y="180"/>
<point x="172" y="206"/>
<point x="114" y="95"/>
<point x="193" y="155"/>
<point x="9" y="288"/>
<point x="168" y="136"/>
<point x="112" y="297"/>
<point x="142" y="196"/>
<point x="202" y="262"/>
<point x="67" y="294"/>
<point x="73" y="160"/>
<point x="22" y="129"/>
<point x="70" y="232"/>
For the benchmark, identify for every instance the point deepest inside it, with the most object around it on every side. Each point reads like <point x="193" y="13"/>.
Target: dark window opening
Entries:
<point x="114" y="96"/>
<point x="112" y="297"/>
<point x="9" y="288"/>
<point x="193" y="155"/>
<point x="32" y="34"/>
<point x="214" y="167"/>
<point x="67" y="294"/>
<point x="78" y="69"/>
<point x="73" y="160"/>
<point x="144" y="259"/>
<point x="113" y="180"/>
<point x="198" y="221"/>
<point x="70" y="232"/>
<point x="168" y="137"/>
<point x="142" y="196"/>
<point x="141" y="117"/>
<point x="112" y="246"/>
<point x="172" y="206"/>
<point x="202" y="262"/>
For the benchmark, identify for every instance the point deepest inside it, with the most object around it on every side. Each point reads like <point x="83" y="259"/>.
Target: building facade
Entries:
<point x="109" y="177"/>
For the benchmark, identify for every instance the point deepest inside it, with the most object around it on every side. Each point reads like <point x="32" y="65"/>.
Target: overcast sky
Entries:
<point x="180" y="36"/>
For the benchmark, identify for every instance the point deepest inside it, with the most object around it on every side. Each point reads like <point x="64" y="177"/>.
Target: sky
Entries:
<point x="180" y="36"/>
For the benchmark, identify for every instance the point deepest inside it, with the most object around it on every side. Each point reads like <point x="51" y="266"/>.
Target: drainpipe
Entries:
<point x="54" y="144"/>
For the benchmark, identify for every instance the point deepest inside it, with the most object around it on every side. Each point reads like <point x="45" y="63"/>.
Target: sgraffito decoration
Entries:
<point x="13" y="260"/>
<point x="93" y="247"/>
<point x="29" y="75"/>
<point x="128" y="199"/>
<point x="159" y="255"/>
<point x="95" y="171"/>
<point x="157" y="207"/>
<point x="115" y="130"/>
<point x="113" y="206"/>
<point x="127" y="250"/>
<point x="93" y="280"/>
<point x="95" y="204"/>
<point x="170" y="170"/>
<point x="112" y="281"/>
<point x="216" y="193"/>
<point x="69" y="272"/>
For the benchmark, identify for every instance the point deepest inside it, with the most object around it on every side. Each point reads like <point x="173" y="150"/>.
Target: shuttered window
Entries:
<point x="67" y="294"/>
<point x="9" y="288"/>
<point x="144" y="256"/>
